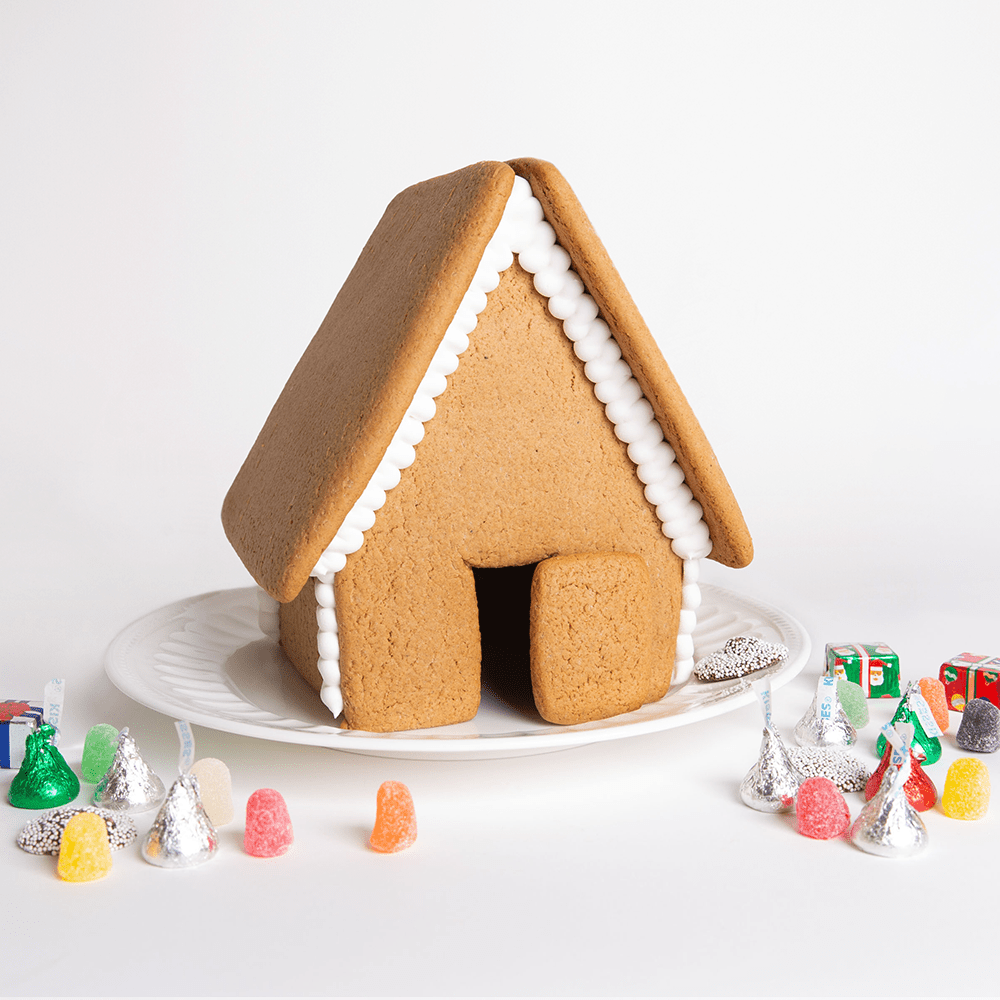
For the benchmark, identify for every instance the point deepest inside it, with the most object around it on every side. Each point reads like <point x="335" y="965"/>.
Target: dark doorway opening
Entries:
<point x="504" y="598"/>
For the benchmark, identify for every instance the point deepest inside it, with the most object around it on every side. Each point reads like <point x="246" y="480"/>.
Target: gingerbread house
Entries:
<point x="482" y="440"/>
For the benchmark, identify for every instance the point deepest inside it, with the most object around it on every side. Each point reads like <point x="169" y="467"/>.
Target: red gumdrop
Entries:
<point x="269" y="827"/>
<point x="919" y="788"/>
<point x="821" y="810"/>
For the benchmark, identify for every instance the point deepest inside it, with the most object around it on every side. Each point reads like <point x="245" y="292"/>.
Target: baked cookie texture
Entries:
<point x="518" y="465"/>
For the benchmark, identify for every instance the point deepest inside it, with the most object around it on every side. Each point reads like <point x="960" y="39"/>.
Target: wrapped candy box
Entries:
<point x="17" y="720"/>
<point x="872" y="665"/>
<point x="969" y="676"/>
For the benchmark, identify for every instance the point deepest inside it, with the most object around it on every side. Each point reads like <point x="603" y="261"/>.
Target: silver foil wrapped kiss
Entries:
<point x="182" y="835"/>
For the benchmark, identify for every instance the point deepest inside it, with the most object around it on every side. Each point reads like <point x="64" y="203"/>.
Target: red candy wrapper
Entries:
<point x="969" y="676"/>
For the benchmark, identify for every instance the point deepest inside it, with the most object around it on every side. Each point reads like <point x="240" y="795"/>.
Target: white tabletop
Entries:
<point x="802" y="201"/>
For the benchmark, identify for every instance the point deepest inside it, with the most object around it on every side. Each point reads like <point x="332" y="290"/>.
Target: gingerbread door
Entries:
<point x="591" y="637"/>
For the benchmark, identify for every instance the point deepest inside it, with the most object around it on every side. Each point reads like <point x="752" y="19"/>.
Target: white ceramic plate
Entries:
<point x="206" y="660"/>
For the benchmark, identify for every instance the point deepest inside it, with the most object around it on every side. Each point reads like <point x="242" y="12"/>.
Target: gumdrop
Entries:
<point x="937" y="701"/>
<point x="269" y="827"/>
<point x="854" y="703"/>
<point x="395" y="821"/>
<point x="919" y="788"/>
<point x="98" y="752"/>
<point x="966" y="789"/>
<point x="216" y="787"/>
<point x="821" y="810"/>
<point x="45" y="780"/>
<point x="980" y="727"/>
<point x="84" y="850"/>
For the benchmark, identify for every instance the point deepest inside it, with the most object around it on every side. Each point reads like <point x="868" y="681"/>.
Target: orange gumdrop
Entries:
<point x="395" y="820"/>
<point x="937" y="701"/>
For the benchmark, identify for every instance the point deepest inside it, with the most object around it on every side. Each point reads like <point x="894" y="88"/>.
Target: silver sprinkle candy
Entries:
<point x="182" y="835"/>
<point x="888" y="825"/>
<point x="742" y="654"/>
<point x="844" y="769"/>
<point x="814" y="731"/>
<point x="773" y="782"/>
<point x="130" y="784"/>
<point x="44" y="835"/>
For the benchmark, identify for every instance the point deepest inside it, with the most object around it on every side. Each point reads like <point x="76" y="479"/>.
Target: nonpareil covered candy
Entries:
<point x="820" y="810"/>
<point x="44" y="780"/>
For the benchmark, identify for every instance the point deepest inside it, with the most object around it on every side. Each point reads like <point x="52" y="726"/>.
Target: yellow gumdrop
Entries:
<point x="84" y="851"/>
<point x="966" y="789"/>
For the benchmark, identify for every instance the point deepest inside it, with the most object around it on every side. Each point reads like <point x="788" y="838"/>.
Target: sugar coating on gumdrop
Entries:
<point x="215" y="786"/>
<point x="395" y="820"/>
<point x="854" y="702"/>
<point x="966" y="792"/>
<point x="980" y="727"/>
<point x="84" y="850"/>
<point x="98" y="752"/>
<point x="821" y="810"/>
<point x="268" y="831"/>
<point x="937" y="701"/>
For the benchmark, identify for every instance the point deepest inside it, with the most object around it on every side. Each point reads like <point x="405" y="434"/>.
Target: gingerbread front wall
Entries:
<point x="519" y="463"/>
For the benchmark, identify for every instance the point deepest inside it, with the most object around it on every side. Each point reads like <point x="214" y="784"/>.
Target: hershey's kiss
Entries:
<point x="130" y="784"/>
<point x="773" y="782"/>
<point x="888" y="825"/>
<point x="45" y="779"/>
<point x="182" y="835"/>
<point x="825" y="723"/>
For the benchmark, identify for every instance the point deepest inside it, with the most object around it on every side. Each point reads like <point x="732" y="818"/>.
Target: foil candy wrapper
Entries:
<point x="773" y="782"/>
<point x="888" y="826"/>
<point x="812" y="730"/>
<point x="130" y="784"/>
<point x="182" y="835"/>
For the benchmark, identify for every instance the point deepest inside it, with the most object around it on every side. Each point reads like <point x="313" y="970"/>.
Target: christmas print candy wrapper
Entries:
<point x="18" y="719"/>
<point x="969" y="676"/>
<point x="872" y="665"/>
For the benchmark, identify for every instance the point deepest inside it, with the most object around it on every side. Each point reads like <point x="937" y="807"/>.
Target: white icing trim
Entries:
<point x="524" y="231"/>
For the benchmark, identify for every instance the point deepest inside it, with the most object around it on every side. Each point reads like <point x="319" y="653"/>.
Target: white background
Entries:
<point x="803" y="201"/>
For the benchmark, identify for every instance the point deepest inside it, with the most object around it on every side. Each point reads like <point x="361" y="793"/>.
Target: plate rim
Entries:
<point x="412" y="744"/>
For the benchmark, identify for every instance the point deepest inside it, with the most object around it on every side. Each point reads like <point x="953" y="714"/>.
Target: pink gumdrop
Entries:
<point x="821" y="810"/>
<point x="269" y="827"/>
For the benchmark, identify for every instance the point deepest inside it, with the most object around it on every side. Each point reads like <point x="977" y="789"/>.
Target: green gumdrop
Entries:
<point x="98" y="752"/>
<point x="45" y="780"/>
<point x="853" y="702"/>
<point x="930" y="745"/>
